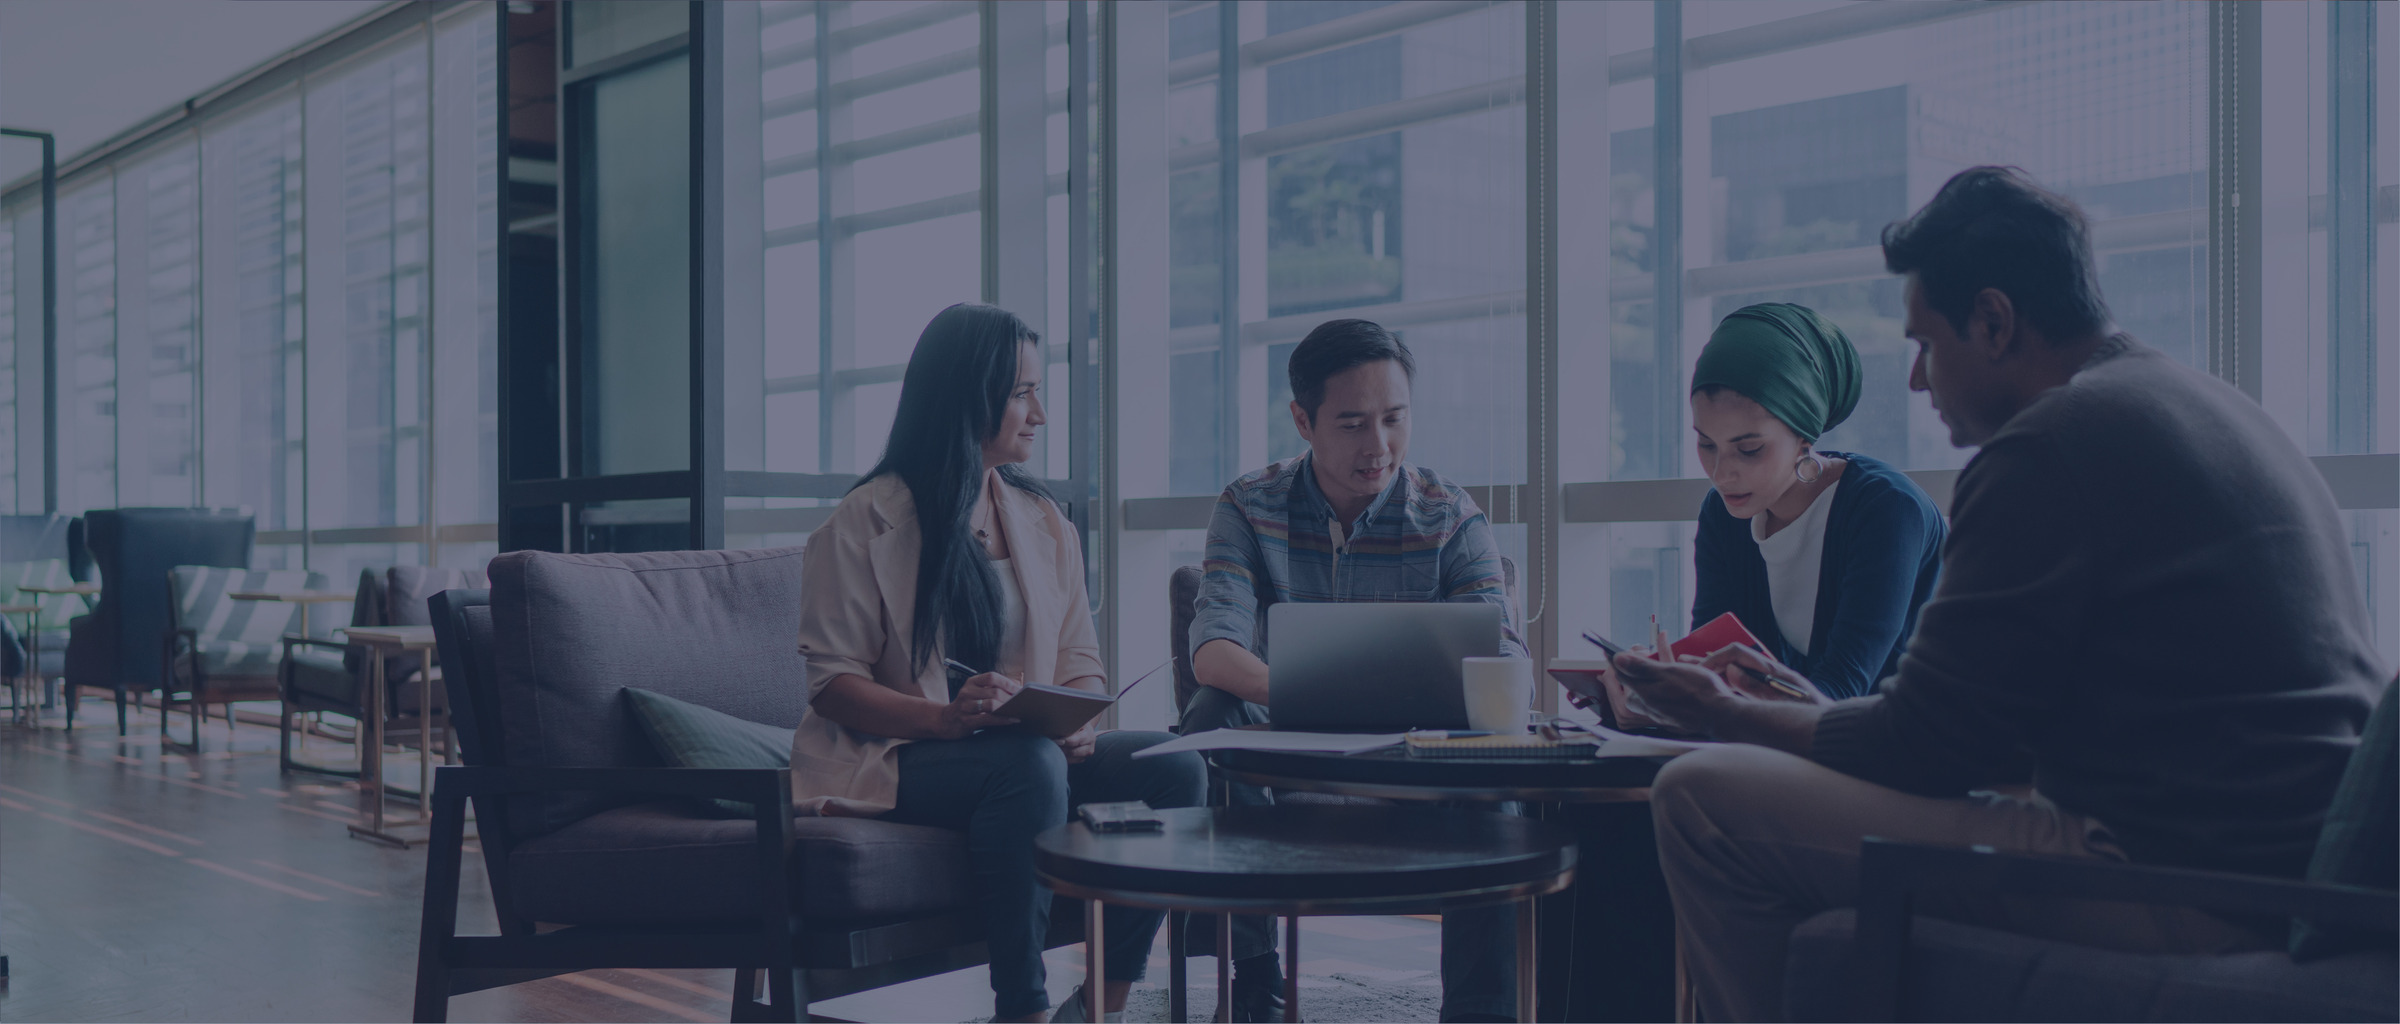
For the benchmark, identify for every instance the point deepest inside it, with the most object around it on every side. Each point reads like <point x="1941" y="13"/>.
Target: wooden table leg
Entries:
<point x="1291" y="968"/>
<point x="1178" y="1010"/>
<point x="1224" y="967"/>
<point x="1526" y="952"/>
<point x="370" y="776"/>
<point x="1094" y="972"/>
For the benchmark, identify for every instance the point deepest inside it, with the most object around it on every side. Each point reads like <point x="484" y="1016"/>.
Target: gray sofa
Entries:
<point x="582" y="827"/>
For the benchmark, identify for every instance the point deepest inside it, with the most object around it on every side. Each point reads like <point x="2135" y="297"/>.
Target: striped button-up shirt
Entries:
<point x="1274" y="538"/>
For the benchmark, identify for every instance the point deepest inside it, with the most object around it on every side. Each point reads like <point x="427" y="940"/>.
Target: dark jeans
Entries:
<point x="1003" y="787"/>
<point x="1479" y="944"/>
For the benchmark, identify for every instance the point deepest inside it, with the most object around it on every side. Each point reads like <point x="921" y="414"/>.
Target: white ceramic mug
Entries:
<point x="1498" y="693"/>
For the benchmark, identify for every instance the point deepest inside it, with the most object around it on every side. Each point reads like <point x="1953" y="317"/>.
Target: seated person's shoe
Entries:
<point x="1076" y="1011"/>
<point x="1257" y="1000"/>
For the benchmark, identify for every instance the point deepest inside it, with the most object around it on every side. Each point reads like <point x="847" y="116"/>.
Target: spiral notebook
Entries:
<point x="1434" y="744"/>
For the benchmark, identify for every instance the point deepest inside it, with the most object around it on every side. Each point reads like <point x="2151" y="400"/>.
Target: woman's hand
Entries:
<point x="1588" y="703"/>
<point x="972" y="708"/>
<point x="1747" y="670"/>
<point x="1079" y="744"/>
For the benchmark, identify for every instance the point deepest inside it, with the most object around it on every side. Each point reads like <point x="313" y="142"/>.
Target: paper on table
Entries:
<point x="1625" y="744"/>
<point x="1261" y="739"/>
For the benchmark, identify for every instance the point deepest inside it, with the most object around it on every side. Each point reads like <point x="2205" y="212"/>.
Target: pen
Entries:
<point x="954" y="665"/>
<point x="1778" y="684"/>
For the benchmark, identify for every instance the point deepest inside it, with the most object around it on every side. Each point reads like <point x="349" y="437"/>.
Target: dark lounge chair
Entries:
<point x="121" y="645"/>
<point x="581" y="826"/>
<point x="327" y="674"/>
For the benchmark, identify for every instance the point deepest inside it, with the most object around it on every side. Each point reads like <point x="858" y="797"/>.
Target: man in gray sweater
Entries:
<point x="2146" y="611"/>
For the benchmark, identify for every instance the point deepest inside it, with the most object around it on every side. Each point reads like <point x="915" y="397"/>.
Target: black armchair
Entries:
<point x="121" y="645"/>
<point x="582" y="829"/>
<point x="1884" y="963"/>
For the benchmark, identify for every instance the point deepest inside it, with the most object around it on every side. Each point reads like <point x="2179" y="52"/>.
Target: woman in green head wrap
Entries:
<point x="1824" y="555"/>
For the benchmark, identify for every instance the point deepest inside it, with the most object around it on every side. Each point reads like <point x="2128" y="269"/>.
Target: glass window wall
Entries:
<point x="248" y="311"/>
<point x="292" y="305"/>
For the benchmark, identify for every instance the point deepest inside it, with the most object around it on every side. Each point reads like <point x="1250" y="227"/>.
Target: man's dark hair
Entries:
<point x="1992" y="227"/>
<point x="1338" y="345"/>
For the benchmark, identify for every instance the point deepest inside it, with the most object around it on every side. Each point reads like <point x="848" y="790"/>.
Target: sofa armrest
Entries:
<point x="1893" y="874"/>
<point x="758" y="786"/>
<point x="768" y="791"/>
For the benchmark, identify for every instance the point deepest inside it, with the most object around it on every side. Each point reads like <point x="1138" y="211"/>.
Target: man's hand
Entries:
<point x="1747" y="670"/>
<point x="972" y="708"/>
<point x="1686" y="692"/>
<point x="1694" y="694"/>
<point x="1079" y="744"/>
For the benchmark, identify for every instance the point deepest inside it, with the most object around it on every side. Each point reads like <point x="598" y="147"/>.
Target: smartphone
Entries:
<point x="1121" y="816"/>
<point x="1612" y="647"/>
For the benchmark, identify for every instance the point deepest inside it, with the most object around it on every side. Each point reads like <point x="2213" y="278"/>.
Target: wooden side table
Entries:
<point x="380" y="641"/>
<point x="33" y="634"/>
<point x="32" y="676"/>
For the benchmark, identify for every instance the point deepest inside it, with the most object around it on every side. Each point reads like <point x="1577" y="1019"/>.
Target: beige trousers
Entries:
<point x="1753" y="841"/>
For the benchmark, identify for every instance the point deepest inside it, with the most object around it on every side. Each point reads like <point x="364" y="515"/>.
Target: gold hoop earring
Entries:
<point x="1809" y="468"/>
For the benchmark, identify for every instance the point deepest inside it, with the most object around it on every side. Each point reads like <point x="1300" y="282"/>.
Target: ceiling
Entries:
<point x="88" y="69"/>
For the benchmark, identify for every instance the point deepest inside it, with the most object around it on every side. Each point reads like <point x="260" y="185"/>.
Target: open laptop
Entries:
<point x="1374" y="666"/>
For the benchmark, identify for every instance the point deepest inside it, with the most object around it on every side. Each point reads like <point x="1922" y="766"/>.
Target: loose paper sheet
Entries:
<point x="1261" y="739"/>
<point x="1625" y="744"/>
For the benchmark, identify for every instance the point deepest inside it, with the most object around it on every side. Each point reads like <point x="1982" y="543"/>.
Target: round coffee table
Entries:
<point x="1653" y="970"/>
<point x="1300" y="861"/>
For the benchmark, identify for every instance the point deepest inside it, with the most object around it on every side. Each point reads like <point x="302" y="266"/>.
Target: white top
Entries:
<point x="1012" y="620"/>
<point x="1793" y="556"/>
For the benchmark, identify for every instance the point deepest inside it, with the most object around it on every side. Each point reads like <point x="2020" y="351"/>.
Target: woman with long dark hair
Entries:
<point x="948" y="552"/>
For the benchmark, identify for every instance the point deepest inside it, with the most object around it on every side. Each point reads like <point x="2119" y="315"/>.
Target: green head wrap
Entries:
<point x="1788" y="359"/>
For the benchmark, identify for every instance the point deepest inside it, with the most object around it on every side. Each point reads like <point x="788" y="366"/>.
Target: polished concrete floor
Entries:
<point x="140" y="883"/>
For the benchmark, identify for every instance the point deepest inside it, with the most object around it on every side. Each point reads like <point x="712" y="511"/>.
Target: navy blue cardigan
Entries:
<point x="1883" y="544"/>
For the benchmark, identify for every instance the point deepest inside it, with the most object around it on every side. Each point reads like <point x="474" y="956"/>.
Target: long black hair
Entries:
<point x="951" y="399"/>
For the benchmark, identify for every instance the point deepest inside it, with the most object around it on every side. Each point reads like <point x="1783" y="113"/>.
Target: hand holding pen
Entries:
<point x="977" y="698"/>
<point x="1763" y="677"/>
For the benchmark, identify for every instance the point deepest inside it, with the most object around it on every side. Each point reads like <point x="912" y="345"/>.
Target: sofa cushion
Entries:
<point x="223" y="658"/>
<point x="715" y="628"/>
<point x="2360" y="844"/>
<point x="668" y="862"/>
<point x="690" y="736"/>
<point x="1959" y="972"/>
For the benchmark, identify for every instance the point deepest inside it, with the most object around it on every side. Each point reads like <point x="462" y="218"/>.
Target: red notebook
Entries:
<point x="1717" y="634"/>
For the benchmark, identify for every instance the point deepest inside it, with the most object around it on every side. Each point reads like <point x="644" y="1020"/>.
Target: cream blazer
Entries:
<point x="858" y="587"/>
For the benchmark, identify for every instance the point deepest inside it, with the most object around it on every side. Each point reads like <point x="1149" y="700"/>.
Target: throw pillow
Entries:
<point x="687" y="735"/>
<point x="2361" y="841"/>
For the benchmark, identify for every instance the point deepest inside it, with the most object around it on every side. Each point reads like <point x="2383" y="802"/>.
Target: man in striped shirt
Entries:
<point x="1348" y="521"/>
